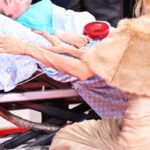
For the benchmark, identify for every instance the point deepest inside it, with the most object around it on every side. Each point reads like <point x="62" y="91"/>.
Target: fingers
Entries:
<point x="81" y="42"/>
<point x="11" y="45"/>
<point x="42" y="33"/>
<point x="2" y="43"/>
<point x="2" y="40"/>
<point x="58" y="49"/>
<point x="1" y="49"/>
<point x="51" y="38"/>
<point x="75" y="40"/>
<point x="8" y="39"/>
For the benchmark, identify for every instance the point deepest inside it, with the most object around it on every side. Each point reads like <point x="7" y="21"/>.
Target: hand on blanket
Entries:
<point x="12" y="45"/>
<point x="73" y="39"/>
<point x="55" y="41"/>
<point x="59" y="46"/>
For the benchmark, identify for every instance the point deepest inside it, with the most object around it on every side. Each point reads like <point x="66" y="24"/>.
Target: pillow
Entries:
<point x="38" y="17"/>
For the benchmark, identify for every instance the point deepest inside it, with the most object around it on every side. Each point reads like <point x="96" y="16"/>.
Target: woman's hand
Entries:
<point x="64" y="39"/>
<point x="51" y="38"/>
<point x="73" y="39"/>
<point x="12" y="45"/>
<point x="58" y="46"/>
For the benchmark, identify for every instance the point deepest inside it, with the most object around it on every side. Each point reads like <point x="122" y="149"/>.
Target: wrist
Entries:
<point x="60" y="34"/>
<point x="30" y="50"/>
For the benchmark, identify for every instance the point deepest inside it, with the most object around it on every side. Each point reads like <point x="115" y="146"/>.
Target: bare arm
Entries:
<point x="73" y="39"/>
<point x="67" y="49"/>
<point x="62" y="63"/>
<point x="61" y="47"/>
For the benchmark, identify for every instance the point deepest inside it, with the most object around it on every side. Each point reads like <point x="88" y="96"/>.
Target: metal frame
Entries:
<point x="37" y="95"/>
<point x="49" y="97"/>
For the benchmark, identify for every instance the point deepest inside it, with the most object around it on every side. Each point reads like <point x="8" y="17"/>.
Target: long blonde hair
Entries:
<point x="139" y="8"/>
<point x="142" y="7"/>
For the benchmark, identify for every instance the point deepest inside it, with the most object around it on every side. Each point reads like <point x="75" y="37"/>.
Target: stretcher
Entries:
<point x="53" y="99"/>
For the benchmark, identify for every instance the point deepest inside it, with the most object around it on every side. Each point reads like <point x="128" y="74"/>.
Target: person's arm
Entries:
<point x="73" y="39"/>
<point x="70" y="50"/>
<point x="61" y="47"/>
<point x="62" y="63"/>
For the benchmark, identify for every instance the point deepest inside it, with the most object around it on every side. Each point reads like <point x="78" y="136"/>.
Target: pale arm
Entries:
<point x="70" y="50"/>
<point x="73" y="39"/>
<point x="61" y="47"/>
<point x="62" y="63"/>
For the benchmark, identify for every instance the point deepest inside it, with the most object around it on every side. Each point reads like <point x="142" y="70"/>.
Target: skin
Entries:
<point x="14" y="8"/>
<point x="73" y="39"/>
<point x="61" y="47"/>
<point x="146" y="6"/>
<point x="49" y="56"/>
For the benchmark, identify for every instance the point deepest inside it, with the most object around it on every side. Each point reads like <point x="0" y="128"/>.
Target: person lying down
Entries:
<point x="115" y="61"/>
<point x="123" y="60"/>
<point x="15" y="68"/>
<point x="26" y="65"/>
<point x="47" y="20"/>
<point x="55" y="20"/>
<point x="106" y="101"/>
<point x="65" y="24"/>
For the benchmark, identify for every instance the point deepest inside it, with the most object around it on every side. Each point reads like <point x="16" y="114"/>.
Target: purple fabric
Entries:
<point x="105" y="100"/>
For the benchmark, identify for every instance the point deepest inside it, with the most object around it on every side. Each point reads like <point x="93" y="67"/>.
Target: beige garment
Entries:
<point x="93" y="135"/>
<point x="133" y="133"/>
<point x="136" y="125"/>
<point x="123" y="59"/>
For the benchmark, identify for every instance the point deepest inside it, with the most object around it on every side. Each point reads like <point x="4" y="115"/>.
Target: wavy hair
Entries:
<point x="142" y="7"/>
<point x="139" y="8"/>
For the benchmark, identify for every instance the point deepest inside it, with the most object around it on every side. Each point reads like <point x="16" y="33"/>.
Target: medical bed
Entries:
<point x="53" y="99"/>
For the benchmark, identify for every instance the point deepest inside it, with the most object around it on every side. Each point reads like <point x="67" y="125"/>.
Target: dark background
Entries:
<point x="128" y="5"/>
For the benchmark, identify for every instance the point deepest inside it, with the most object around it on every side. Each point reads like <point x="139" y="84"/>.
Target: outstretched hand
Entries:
<point x="12" y="45"/>
<point x="16" y="46"/>
<point x="73" y="39"/>
<point x="66" y="39"/>
<point x="58" y="46"/>
<point x="55" y="41"/>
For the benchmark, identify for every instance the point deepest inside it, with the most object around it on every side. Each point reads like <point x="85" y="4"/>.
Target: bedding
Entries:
<point x="15" y="69"/>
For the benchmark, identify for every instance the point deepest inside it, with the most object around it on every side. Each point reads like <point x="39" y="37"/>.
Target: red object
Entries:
<point x="5" y="132"/>
<point x="97" y="30"/>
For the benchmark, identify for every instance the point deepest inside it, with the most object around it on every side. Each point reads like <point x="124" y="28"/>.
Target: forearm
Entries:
<point x="61" y="35"/>
<point x="74" y="52"/>
<point x="62" y="63"/>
